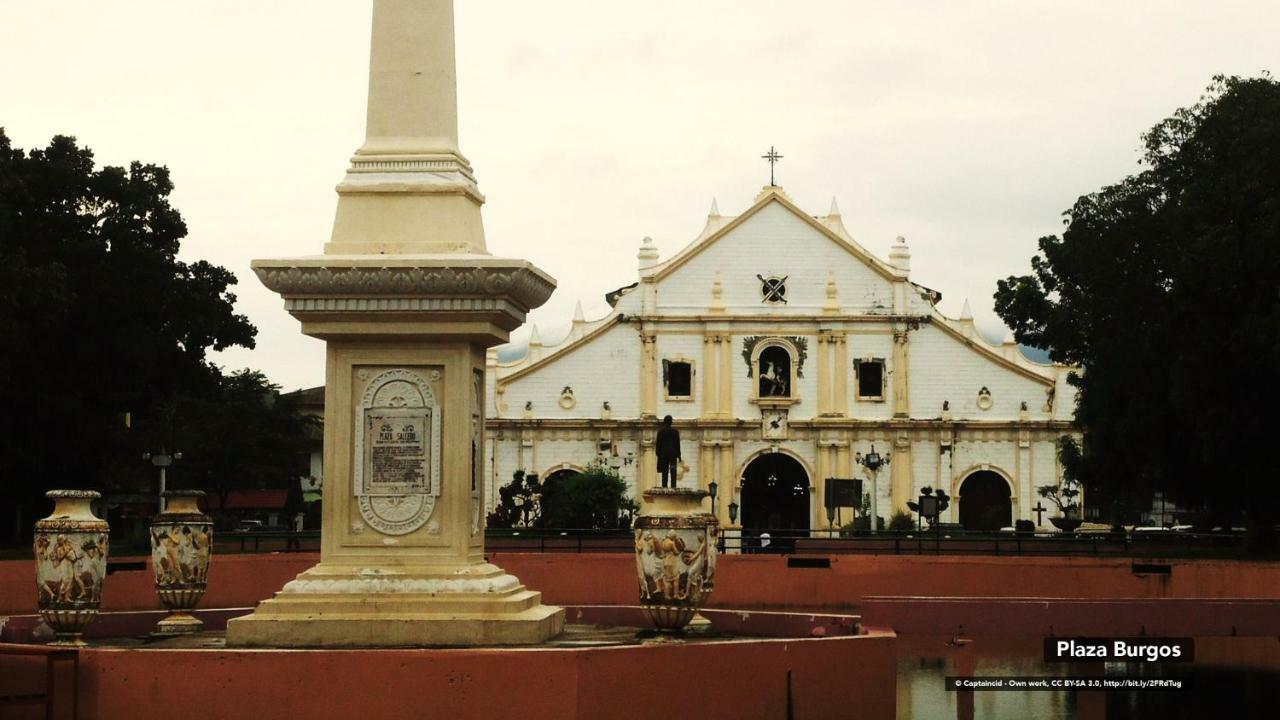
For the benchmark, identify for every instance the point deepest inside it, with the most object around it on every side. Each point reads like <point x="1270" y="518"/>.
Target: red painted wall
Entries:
<point x="731" y="680"/>
<point x="1171" y="617"/>
<point x="742" y="580"/>
<point x="766" y="581"/>
<point x="234" y="581"/>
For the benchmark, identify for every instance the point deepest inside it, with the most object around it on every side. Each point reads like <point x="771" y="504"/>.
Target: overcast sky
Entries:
<point x="967" y="127"/>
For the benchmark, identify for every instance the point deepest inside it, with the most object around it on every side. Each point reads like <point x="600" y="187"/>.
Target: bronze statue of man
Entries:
<point x="667" y="445"/>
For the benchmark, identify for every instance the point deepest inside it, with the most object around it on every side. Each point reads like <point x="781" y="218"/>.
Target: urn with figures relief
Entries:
<point x="181" y="548"/>
<point x="676" y="543"/>
<point x="71" y="562"/>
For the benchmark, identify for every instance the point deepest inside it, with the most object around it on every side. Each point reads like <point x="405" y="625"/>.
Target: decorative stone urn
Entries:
<point x="675" y="555"/>
<point x="71" y="562"/>
<point x="181" y="547"/>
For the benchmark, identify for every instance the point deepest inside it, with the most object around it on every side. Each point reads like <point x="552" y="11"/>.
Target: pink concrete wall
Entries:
<point x="742" y="580"/>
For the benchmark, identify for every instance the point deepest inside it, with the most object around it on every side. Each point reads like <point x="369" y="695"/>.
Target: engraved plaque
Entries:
<point x="397" y="472"/>
<point x="397" y="457"/>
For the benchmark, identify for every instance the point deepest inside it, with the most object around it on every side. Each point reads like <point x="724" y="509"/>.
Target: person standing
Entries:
<point x="667" y="445"/>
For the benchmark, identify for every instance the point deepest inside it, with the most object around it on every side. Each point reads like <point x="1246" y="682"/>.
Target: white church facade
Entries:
<point x="781" y="369"/>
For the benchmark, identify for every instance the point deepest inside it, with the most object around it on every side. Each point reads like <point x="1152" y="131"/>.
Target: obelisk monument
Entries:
<point x="407" y="299"/>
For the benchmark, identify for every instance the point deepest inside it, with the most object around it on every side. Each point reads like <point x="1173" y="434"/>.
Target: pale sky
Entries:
<point x="967" y="127"/>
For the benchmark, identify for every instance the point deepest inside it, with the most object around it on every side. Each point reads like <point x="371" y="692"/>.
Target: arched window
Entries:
<point x="773" y="368"/>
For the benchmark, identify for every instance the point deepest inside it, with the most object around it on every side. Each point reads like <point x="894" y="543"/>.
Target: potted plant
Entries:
<point x="1064" y="495"/>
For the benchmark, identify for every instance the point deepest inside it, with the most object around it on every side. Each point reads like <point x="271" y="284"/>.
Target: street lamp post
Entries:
<point x="162" y="460"/>
<point x="873" y="461"/>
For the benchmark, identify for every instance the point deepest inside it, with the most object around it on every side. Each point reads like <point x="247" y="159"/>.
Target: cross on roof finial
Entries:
<point x="772" y="156"/>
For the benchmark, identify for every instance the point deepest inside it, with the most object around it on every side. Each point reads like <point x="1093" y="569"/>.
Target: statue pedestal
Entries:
<point x="402" y="544"/>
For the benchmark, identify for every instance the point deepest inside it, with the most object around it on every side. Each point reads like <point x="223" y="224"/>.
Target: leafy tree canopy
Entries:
<point x="243" y="435"/>
<point x="594" y="499"/>
<point x="104" y="328"/>
<point x="1165" y="289"/>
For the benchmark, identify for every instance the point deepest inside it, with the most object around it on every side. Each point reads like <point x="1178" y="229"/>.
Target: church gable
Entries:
<point x="578" y="380"/>
<point x="778" y="260"/>
<point x="949" y="369"/>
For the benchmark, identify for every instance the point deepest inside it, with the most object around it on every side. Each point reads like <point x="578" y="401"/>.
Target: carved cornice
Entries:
<point x="442" y="279"/>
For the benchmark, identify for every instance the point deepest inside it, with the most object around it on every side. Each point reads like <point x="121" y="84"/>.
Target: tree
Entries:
<point x="594" y="500"/>
<point x="1165" y="289"/>
<point x="518" y="502"/>
<point x="1064" y="494"/>
<point x="219" y="456"/>
<point x="104" y="327"/>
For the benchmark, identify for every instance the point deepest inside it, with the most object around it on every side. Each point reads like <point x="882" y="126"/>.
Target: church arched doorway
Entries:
<point x="775" y="498"/>
<point x="985" y="502"/>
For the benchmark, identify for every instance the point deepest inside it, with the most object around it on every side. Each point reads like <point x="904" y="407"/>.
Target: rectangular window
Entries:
<point x="870" y="378"/>
<point x="678" y="378"/>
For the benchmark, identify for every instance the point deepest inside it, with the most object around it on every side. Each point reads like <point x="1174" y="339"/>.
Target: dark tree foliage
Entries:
<point x="244" y="435"/>
<point x="517" y="502"/>
<point x="100" y="321"/>
<point x="1165" y="289"/>
<point x="592" y="500"/>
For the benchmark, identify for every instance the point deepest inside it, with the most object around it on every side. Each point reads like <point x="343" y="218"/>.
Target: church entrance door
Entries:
<point x="775" y="499"/>
<point x="985" y="503"/>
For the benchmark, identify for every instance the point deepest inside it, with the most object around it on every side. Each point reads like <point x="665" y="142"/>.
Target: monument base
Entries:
<point x="343" y="606"/>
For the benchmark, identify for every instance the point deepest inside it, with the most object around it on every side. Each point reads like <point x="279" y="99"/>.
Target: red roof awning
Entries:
<point x="248" y="500"/>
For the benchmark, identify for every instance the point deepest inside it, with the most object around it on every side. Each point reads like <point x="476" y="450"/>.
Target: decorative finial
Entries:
<point x="835" y="209"/>
<point x="648" y="255"/>
<point x="578" y="316"/>
<point x="773" y="157"/>
<point x="715" y="209"/>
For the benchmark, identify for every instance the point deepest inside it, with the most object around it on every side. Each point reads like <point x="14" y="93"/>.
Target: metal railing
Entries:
<point x="954" y="542"/>
<point x="566" y="540"/>
<point x="266" y="541"/>
<point x="815" y="542"/>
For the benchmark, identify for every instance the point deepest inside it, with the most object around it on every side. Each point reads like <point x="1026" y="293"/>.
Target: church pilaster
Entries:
<point x="824" y="373"/>
<point x="647" y="466"/>
<point x="726" y="374"/>
<point x="900" y="473"/>
<point x="901" y="374"/>
<point x="648" y="374"/>
<point x="946" y="458"/>
<point x="710" y="389"/>
<point x="841" y="364"/>
<point x="727" y="480"/>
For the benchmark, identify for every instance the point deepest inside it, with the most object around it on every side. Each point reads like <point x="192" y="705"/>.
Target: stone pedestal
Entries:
<point x="402" y="547"/>
<point x="408" y="300"/>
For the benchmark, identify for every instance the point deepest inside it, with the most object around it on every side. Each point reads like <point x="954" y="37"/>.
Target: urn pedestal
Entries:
<point x="675" y="555"/>
<point x="71" y="562"/>
<point x="181" y="547"/>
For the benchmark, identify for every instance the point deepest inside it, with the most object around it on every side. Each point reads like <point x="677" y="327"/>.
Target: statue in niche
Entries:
<point x="775" y="372"/>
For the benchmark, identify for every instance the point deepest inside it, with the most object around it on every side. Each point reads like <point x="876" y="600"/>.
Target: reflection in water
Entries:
<point x="1232" y="677"/>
